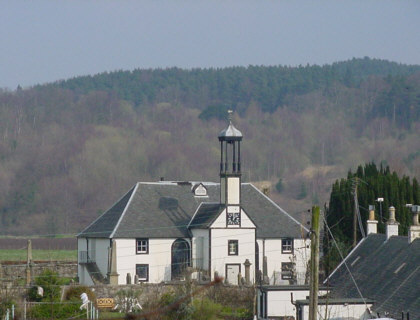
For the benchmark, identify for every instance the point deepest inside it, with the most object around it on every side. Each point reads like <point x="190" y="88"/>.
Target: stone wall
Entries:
<point x="16" y="271"/>
<point x="228" y="295"/>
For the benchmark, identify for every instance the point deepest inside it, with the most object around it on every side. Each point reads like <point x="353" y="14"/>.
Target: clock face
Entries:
<point x="233" y="218"/>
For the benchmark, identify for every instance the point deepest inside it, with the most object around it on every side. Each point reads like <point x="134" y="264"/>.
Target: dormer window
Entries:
<point x="200" y="190"/>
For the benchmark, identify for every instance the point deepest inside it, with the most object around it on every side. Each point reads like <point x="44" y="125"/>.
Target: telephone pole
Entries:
<point x="313" y="291"/>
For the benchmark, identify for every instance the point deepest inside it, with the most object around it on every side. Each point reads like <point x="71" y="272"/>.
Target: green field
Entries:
<point x="45" y="255"/>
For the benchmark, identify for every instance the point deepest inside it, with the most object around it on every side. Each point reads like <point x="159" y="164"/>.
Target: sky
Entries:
<point x="44" y="41"/>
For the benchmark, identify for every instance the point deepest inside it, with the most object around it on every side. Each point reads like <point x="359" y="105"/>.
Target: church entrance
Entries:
<point x="181" y="259"/>
<point x="232" y="271"/>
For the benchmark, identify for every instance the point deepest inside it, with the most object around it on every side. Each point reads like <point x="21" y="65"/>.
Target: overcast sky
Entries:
<point x="43" y="41"/>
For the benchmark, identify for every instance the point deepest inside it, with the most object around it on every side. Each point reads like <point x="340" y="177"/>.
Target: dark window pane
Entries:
<point x="142" y="272"/>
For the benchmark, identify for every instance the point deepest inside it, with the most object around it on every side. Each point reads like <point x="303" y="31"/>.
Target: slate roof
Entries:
<point x="385" y="271"/>
<point x="205" y="215"/>
<point x="165" y="209"/>
<point x="103" y="226"/>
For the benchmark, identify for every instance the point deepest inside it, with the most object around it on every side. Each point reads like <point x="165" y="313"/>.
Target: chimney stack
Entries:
<point x="414" y="231"/>
<point x="392" y="224"/>
<point x="372" y="224"/>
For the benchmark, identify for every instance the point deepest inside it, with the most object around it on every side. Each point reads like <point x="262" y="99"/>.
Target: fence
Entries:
<point x="87" y="256"/>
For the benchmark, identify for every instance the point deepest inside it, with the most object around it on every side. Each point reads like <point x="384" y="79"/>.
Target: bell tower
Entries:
<point x="230" y="173"/>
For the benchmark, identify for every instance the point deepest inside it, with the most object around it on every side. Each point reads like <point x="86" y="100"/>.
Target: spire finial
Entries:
<point x="230" y="112"/>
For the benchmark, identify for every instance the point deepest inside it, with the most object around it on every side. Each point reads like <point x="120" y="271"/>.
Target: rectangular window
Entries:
<point x="287" y="270"/>
<point x="142" y="246"/>
<point x="287" y="246"/>
<point x="233" y="247"/>
<point x="142" y="272"/>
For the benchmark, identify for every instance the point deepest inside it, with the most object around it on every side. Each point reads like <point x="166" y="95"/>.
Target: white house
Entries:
<point x="384" y="268"/>
<point x="378" y="278"/>
<point x="158" y="229"/>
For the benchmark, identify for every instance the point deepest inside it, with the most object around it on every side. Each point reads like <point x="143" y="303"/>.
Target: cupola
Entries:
<point x="230" y="148"/>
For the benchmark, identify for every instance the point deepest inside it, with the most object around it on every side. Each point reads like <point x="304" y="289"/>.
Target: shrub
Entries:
<point x="205" y="309"/>
<point x="73" y="293"/>
<point x="279" y="185"/>
<point x="5" y="304"/>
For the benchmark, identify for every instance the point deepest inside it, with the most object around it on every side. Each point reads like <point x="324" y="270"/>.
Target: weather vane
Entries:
<point x="230" y="115"/>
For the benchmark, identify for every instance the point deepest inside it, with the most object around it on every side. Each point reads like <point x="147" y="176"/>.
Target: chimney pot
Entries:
<point x="414" y="231"/>
<point x="391" y="214"/>
<point x="372" y="224"/>
<point x="391" y="225"/>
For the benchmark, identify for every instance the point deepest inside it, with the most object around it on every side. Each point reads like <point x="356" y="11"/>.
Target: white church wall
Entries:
<point x="102" y="246"/>
<point x="200" y="248"/>
<point x="220" y="222"/>
<point x="272" y="249"/>
<point x="84" y="277"/>
<point x="246" y="222"/>
<point x="233" y="190"/>
<point x="158" y="259"/>
<point x="219" y="250"/>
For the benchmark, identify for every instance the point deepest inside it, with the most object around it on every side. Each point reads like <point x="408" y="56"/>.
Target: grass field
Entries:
<point x="46" y="255"/>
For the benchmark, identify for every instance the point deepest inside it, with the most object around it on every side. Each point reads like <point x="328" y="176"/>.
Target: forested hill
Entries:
<point x="233" y="86"/>
<point x="69" y="149"/>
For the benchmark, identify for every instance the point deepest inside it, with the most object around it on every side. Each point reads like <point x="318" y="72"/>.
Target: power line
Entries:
<point x="345" y="263"/>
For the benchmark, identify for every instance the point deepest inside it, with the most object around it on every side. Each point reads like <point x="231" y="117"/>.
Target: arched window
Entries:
<point x="181" y="258"/>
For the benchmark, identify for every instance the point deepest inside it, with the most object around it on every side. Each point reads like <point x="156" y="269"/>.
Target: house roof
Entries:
<point x="165" y="209"/>
<point x="105" y="224"/>
<point x="205" y="215"/>
<point x="386" y="271"/>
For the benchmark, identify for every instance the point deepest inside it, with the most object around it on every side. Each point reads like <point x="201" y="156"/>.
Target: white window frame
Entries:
<point x="143" y="279"/>
<point x="235" y="246"/>
<point x="290" y="268"/>
<point x="287" y="245"/>
<point x="142" y="246"/>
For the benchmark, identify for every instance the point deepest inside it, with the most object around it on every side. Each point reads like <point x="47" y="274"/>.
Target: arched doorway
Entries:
<point x="181" y="258"/>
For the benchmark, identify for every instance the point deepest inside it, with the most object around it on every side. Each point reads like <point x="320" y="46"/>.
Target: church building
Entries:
<point x="158" y="230"/>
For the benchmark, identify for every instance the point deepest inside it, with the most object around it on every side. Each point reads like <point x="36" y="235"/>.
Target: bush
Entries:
<point x="205" y="309"/>
<point x="56" y="311"/>
<point x="73" y="293"/>
<point x="51" y="283"/>
<point x="5" y="304"/>
<point x="279" y="186"/>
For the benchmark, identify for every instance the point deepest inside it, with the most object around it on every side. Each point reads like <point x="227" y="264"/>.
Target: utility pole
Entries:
<point x="313" y="291"/>
<point x="355" y="216"/>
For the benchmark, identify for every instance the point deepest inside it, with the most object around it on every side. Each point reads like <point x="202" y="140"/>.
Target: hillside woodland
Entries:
<point x="69" y="149"/>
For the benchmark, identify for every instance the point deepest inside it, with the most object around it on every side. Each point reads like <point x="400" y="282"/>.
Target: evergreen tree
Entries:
<point x="373" y="184"/>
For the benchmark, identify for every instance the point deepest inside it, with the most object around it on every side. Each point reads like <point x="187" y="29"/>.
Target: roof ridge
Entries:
<point x="124" y="211"/>
<point x="192" y="218"/>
